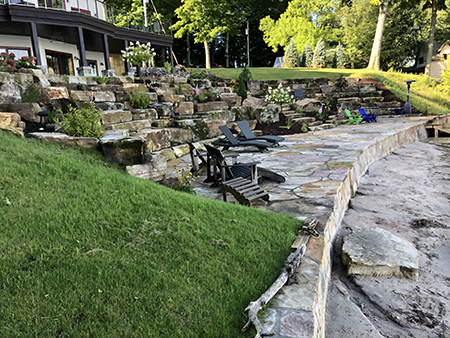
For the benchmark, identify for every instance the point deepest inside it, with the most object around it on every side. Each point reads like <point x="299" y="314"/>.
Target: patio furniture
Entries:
<point x="248" y="134"/>
<point x="353" y="119"/>
<point x="196" y="154"/>
<point x="234" y="142"/>
<point x="239" y="179"/>
<point x="367" y="117"/>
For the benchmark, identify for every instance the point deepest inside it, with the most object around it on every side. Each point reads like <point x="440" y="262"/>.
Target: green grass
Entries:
<point x="89" y="251"/>
<point x="424" y="95"/>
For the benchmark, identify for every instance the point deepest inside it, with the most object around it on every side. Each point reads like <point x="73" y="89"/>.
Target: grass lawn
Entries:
<point x="424" y="93"/>
<point x="88" y="251"/>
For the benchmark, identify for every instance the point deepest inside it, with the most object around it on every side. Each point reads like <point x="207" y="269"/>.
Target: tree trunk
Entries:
<point x="188" y="47"/>
<point x="207" y="59"/>
<point x="227" y="57"/>
<point x="431" y="39"/>
<point x="375" y="56"/>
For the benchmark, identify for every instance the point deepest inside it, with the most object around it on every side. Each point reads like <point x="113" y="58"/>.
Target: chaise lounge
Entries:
<point x="248" y="134"/>
<point x="234" y="142"/>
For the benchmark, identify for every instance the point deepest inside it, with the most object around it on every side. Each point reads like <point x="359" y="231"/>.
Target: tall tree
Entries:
<point x="320" y="55"/>
<point x="435" y="5"/>
<point x="207" y="19"/>
<point x="291" y="55"/>
<point x="375" y="56"/>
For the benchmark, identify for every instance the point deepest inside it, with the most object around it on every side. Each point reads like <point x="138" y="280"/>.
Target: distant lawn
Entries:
<point x="424" y="95"/>
<point x="88" y="251"/>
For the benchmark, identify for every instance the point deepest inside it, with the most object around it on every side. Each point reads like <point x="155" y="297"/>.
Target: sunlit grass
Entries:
<point x="424" y="93"/>
<point x="89" y="251"/>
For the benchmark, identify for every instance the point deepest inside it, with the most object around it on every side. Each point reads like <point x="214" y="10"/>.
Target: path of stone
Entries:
<point x="322" y="171"/>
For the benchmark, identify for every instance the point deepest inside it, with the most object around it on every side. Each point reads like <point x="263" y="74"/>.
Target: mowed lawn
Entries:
<point x="426" y="95"/>
<point x="88" y="251"/>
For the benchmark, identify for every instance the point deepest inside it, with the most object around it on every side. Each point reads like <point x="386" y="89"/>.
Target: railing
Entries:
<point x="100" y="10"/>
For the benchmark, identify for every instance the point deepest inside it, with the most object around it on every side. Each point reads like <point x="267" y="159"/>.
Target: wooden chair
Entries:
<point x="248" y="134"/>
<point x="352" y="118"/>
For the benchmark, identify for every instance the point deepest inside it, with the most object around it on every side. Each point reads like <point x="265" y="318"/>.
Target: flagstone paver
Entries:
<point x="322" y="171"/>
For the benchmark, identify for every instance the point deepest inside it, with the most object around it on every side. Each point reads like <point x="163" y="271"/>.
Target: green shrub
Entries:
<point x="139" y="99"/>
<point x="291" y="55"/>
<point x="101" y="79"/>
<point x="84" y="121"/>
<point x="168" y="66"/>
<point x="34" y="93"/>
<point x="309" y="55"/>
<point x="320" y="56"/>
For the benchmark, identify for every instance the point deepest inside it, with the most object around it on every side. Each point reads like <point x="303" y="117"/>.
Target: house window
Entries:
<point x="93" y="65"/>
<point x="52" y="4"/>
<point x="59" y="63"/>
<point x="18" y="52"/>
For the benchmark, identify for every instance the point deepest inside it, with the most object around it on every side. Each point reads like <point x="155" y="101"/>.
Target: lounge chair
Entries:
<point x="244" y="170"/>
<point x="353" y="119"/>
<point x="234" y="142"/>
<point x="248" y="134"/>
<point x="367" y="117"/>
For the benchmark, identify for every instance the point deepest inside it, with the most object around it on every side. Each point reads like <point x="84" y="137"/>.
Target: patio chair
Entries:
<point x="367" y="117"/>
<point x="196" y="154"/>
<point x="353" y="119"/>
<point x="234" y="142"/>
<point x="235" y="169"/>
<point x="248" y="134"/>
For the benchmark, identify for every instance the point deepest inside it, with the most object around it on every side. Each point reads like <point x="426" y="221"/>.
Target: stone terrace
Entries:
<point x="322" y="171"/>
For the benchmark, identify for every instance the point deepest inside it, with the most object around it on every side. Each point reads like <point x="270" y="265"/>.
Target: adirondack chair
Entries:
<point x="352" y="118"/>
<point x="196" y="154"/>
<point x="248" y="134"/>
<point x="234" y="142"/>
<point x="239" y="179"/>
<point x="367" y="117"/>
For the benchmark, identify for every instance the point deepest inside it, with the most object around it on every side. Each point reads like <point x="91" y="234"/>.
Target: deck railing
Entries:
<point x="100" y="10"/>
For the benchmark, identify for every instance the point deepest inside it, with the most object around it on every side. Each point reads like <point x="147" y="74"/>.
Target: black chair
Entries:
<point x="248" y="134"/>
<point x="234" y="142"/>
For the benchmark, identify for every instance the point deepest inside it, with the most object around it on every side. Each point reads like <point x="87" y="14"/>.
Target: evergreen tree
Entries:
<point x="309" y="55"/>
<point x="341" y="59"/>
<point x="334" y="64"/>
<point x="319" y="59"/>
<point x="301" y="60"/>
<point x="291" y="55"/>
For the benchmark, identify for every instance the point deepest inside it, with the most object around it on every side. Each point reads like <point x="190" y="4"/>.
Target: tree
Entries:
<point x="341" y="59"/>
<point x="291" y="55"/>
<point x="320" y="55"/>
<point x="435" y="5"/>
<point x="375" y="56"/>
<point x="206" y="20"/>
<point x="309" y="55"/>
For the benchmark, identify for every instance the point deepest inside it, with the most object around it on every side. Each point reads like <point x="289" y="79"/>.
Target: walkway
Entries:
<point x="322" y="171"/>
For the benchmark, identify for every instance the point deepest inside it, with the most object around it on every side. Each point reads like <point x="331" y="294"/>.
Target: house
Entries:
<point x="441" y="53"/>
<point x="76" y="37"/>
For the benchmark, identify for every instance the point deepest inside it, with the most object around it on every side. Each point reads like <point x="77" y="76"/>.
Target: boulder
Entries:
<point x="172" y="98"/>
<point x="116" y="116"/>
<point x="309" y="105"/>
<point x="84" y="142"/>
<point x="28" y="111"/>
<point x="254" y="102"/>
<point x="377" y="252"/>
<point x="268" y="114"/>
<point x="209" y="106"/>
<point x="201" y="83"/>
<point x="56" y="93"/>
<point x="154" y="171"/>
<point x="254" y="85"/>
<point x="12" y="123"/>
<point x="213" y="127"/>
<point x="110" y="106"/>
<point x="243" y="113"/>
<point x="144" y="114"/>
<point x="230" y="98"/>
<point x="226" y="115"/>
<point x="104" y="96"/>
<point x="164" y="109"/>
<point x="26" y="79"/>
<point x="185" y="108"/>
<point x="179" y="136"/>
<point x="156" y="139"/>
<point x="123" y="150"/>
<point x="198" y="127"/>
<point x="10" y="93"/>
<point x="81" y="95"/>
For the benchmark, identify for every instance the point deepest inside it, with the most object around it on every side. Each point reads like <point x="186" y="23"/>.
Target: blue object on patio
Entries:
<point x="367" y="117"/>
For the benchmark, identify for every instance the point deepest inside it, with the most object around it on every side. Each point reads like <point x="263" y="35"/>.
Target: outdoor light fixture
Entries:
<point x="42" y="114"/>
<point x="407" y="108"/>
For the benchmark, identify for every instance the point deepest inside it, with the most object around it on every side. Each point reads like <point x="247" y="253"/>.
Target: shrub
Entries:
<point x="309" y="55"/>
<point x="291" y="55"/>
<point x="84" y="121"/>
<point x="136" y="53"/>
<point x="27" y="62"/>
<point x="168" y="66"/>
<point x="101" y="79"/>
<point x="139" y="99"/>
<point x="35" y="93"/>
<point x="319" y="59"/>
<point x="341" y="59"/>
<point x="7" y="62"/>
<point x="279" y="95"/>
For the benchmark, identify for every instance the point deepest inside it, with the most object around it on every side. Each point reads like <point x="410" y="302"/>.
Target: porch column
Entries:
<point x="35" y="43"/>
<point x="83" y="69"/>
<point x="171" y="58"/>
<point x="108" y="70"/>
<point x="126" y="63"/>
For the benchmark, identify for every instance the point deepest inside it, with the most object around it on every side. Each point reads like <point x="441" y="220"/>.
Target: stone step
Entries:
<point x="322" y="127"/>
<point x="314" y="123"/>
<point x="210" y="106"/>
<point x="295" y="115"/>
<point x="304" y="119"/>
<point x="116" y="116"/>
<point x="129" y="125"/>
